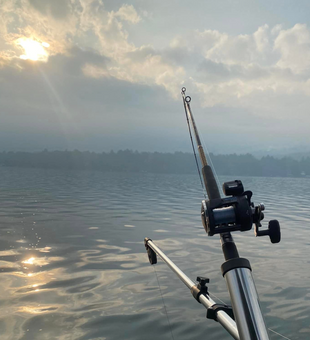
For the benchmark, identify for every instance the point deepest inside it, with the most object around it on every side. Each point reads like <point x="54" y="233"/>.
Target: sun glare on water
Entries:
<point x="34" y="50"/>
<point x="29" y="261"/>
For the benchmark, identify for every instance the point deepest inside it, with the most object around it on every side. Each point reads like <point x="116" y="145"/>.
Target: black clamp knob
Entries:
<point x="202" y="284"/>
<point x="200" y="288"/>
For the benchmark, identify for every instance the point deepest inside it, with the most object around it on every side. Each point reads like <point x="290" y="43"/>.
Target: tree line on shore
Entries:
<point x="157" y="162"/>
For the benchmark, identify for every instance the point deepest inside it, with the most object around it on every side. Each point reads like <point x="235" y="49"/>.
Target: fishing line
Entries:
<point x="212" y="294"/>
<point x="197" y="164"/>
<point x="284" y="337"/>
<point x="162" y="297"/>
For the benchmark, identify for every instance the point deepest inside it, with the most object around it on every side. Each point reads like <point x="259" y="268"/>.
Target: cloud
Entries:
<point x="87" y="23"/>
<point x="59" y="9"/>
<point x="56" y="104"/>
<point x="128" y="13"/>
<point x="84" y="22"/>
<point x="92" y="51"/>
<point x="225" y="68"/>
<point x="267" y="71"/>
<point x="294" y="46"/>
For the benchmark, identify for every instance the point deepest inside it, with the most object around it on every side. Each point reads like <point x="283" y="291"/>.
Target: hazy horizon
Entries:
<point x="277" y="153"/>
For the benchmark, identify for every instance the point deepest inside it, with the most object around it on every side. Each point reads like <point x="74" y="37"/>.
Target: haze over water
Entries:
<point x="74" y="266"/>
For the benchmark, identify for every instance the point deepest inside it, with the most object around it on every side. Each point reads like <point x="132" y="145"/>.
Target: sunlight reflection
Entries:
<point x="29" y="261"/>
<point x="37" y="310"/>
<point x="42" y="261"/>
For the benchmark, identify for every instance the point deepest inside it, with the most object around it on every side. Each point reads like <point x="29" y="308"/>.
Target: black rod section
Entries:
<point x="229" y="247"/>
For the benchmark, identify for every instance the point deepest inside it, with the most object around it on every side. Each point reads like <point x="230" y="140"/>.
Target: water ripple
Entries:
<point x="73" y="263"/>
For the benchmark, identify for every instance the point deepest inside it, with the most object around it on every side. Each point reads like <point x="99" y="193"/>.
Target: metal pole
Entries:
<point x="243" y="294"/>
<point x="245" y="303"/>
<point x="225" y="320"/>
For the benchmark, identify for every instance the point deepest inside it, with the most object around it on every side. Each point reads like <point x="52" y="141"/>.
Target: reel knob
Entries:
<point x="274" y="231"/>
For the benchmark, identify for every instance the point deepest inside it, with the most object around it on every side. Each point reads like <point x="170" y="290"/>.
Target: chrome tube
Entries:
<point x="245" y="304"/>
<point x="223" y="318"/>
<point x="185" y="279"/>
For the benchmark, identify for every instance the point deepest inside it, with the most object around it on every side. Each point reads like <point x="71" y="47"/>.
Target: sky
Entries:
<point x="101" y="75"/>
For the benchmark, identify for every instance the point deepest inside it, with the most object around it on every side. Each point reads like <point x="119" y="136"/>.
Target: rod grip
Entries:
<point x="210" y="183"/>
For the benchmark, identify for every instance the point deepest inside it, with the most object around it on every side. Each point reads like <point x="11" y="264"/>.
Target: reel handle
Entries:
<point x="273" y="231"/>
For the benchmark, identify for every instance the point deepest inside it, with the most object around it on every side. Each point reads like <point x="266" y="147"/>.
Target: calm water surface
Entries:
<point x="73" y="263"/>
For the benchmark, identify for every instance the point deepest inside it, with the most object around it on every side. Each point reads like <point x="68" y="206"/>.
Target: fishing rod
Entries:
<point x="236" y="212"/>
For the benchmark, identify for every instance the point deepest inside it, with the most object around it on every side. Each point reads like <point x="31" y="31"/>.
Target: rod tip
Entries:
<point x="183" y="89"/>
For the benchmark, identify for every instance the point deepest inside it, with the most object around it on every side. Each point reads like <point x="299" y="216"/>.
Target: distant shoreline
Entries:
<point x="157" y="162"/>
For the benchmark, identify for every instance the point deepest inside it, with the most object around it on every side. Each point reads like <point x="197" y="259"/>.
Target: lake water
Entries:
<point x="73" y="263"/>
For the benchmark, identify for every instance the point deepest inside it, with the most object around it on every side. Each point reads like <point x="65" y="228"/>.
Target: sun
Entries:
<point x="34" y="50"/>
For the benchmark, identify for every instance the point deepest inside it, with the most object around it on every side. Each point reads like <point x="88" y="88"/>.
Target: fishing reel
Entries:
<point x="236" y="212"/>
